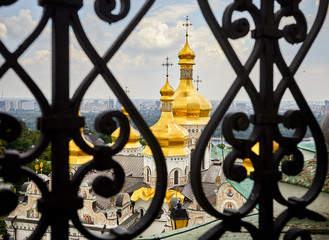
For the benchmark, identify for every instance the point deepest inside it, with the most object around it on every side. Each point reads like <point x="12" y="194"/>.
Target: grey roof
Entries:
<point x="133" y="167"/>
<point x="210" y="174"/>
<point x="94" y="138"/>
<point x="131" y="184"/>
<point x="208" y="183"/>
<point x="208" y="189"/>
<point x="133" y="164"/>
<point x="187" y="191"/>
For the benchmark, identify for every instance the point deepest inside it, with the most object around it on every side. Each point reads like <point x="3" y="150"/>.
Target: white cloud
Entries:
<point x="138" y="62"/>
<point x="124" y="61"/>
<point x="3" y="31"/>
<point x="78" y="55"/>
<point x="18" y="26"/>
<point x="174" y="13"/>
<point x="95" y="29"/>
<point x="154" y="34"/>
<point x="41" y="58"/>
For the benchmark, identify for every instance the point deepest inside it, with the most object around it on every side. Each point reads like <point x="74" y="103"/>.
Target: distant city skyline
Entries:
<point x="97" y="105"/>
<point x="159" y="35"/>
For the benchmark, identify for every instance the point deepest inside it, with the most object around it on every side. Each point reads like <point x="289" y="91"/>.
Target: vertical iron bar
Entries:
<point x="60" y="104"/>
<point x="266" y="141"/>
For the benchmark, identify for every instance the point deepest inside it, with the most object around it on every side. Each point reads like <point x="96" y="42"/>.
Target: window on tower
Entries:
<point x="176" y="177"/>
<point x="148" y="173"/>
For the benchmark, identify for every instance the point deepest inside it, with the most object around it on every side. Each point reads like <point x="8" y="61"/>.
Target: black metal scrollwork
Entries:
<point x="265" y="122"/>
<point x="7" y="2"/>
<point x="60" y="122"/>
<point x="105" y="7"/>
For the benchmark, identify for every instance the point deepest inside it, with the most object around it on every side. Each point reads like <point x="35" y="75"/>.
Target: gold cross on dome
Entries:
<point x="197" y="83"/>
<point x="167" y="65"/>
<point x="187" y="24"/>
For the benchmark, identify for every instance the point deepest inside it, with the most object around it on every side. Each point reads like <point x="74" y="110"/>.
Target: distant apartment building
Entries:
<point x="110" y="104"/>
<point x="4" y="105"/>
<point x="240" y="107"/>
<point x="27" y="105"/>
<point x="325" y="108"/>
<point x="118" y="105"/>
<point x="15" y="104"/>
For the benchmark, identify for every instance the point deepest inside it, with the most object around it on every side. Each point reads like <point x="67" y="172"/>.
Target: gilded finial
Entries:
<point x="187" y="24"/>
<point x="197" y="83"/>
<point x="167" y="65"/>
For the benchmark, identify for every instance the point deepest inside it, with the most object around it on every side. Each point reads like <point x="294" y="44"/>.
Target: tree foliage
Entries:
<point x="27" y="139"/>
<point x="3" y="227"/>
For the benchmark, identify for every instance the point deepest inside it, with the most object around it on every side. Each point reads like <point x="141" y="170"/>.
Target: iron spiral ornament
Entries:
<point x="61" y="122"/>
<point x="265" y="120"/>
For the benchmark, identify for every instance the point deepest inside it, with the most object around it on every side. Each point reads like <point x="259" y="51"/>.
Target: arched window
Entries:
<point x="148" y="173"/>
<point x="186" y="175"/>
<point x="176" y="177"/>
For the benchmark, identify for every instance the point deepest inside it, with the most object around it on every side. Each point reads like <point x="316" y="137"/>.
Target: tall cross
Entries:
<point x="167" y="65"/>
<point x="126" y="90"/>
<point x="187" y="24"/>
<point x="197" y="83"/>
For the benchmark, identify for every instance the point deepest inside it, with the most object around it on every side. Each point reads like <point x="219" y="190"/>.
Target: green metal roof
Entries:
<point x="216" y="152"/>
<point x="318" y="230"/>
<point x="308" y="146"/>
<point x="244" y="188"/>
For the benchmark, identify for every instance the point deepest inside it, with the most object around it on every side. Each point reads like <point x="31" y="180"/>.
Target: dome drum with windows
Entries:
<point x="189" y="107"/>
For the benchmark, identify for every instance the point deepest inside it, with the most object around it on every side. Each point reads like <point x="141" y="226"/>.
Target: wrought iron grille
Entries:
<point x="60" y="121"/>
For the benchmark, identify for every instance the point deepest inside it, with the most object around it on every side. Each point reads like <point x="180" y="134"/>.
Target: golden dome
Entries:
<point x="189" y="106"/>
<point x="172" y="137"/>
<point x="76" y="155"/>
<point x="186" y="55"/>
<point x="134" y="136"/>
<point x="167" y="92"/>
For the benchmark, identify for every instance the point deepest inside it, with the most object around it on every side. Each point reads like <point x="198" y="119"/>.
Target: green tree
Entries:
<point x="2" y="148"/>
<point x="106" y="138"/>
<point x="3" y="226"/>
<point x="142" y="141"/>
<point x="27" y="139"/>
<point x="40" y="166"/>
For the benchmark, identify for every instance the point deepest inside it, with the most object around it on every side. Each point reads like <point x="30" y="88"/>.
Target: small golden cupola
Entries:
<point x="189" y="107"/>
<point x="173" y="138"/>
<point x="134" y="135"/>
<point x="76" y="155"/>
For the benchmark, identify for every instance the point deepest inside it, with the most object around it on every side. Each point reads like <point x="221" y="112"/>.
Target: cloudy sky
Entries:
<point x="138" y="62"/>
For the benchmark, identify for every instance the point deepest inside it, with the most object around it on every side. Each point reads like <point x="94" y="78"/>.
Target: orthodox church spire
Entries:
<point x="186" y="55"/>
<point x="189" y="107"/>
<point x="134" y="135"/>
<point x="172" y="137"/>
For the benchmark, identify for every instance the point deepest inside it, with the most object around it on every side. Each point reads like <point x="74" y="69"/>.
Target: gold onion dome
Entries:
<point x="76" y="155"/>
<point x="186" y="55"/>
<point x="134" y="135"/>
<point x="172" y="137"/>
<point x="189" y="107"/>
